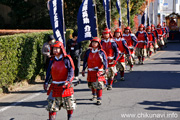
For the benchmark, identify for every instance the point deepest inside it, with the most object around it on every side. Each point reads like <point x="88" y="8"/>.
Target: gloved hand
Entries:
<point x="45" y="86"/>
<point x="83" y="73"/>
<point x="106" y="72"/>
<point x="67" y="84"/>
<point x="114" y="62"/>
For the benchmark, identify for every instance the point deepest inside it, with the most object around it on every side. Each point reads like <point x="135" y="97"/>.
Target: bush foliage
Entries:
<point x="20" y="57"/>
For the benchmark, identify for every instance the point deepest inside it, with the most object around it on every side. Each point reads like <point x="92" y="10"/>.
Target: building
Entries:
<point x="155" y="8"/>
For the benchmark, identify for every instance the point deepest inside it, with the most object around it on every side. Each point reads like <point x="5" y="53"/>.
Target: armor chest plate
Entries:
<point x="128" y="40"/>
<point x="150" y="36"/>
<point x="160" y="31"/>
<point x="94" y="60"/>
<point x="120" y="46"/>
<point x="107" y="47"/>
<point x="141" y="37"/>
<point x="58" y="71"/>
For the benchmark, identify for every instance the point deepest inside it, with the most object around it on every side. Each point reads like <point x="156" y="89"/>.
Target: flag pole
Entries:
<point x="128" y="12"/>
<point x="148" y="14"/>
<point x="110" y="13"/>
<point x="94" y="2"/>
<point x="120" y="16"/>
<point x="64" y="31"/>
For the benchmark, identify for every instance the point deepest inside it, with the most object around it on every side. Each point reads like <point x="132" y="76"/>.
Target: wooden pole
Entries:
<point x="64" y="31"/>
<point x="110" y="13"/>
<point x="94" y="2"/>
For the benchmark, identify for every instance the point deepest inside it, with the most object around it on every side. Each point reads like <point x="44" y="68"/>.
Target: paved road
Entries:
<point x="150" y="92"/>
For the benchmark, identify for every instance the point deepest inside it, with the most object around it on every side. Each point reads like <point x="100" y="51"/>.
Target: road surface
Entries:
<point x="151" y="91"/>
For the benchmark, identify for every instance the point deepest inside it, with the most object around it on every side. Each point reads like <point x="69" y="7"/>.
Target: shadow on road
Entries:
<point x="170" y="60"/>
<point x="150" y="79"/>
<point x="159" y="105"/>
<point x="34" y="104"/>
<point x="25" y="92"/>
<point x="85" y="102"/>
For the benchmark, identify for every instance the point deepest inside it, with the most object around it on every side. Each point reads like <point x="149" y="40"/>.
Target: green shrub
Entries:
<point x="20" y="57"/>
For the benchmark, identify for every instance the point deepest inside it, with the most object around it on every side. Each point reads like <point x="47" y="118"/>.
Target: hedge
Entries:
<point x="20" y="57"/>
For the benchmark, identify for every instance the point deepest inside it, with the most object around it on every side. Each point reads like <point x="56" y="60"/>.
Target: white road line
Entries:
<point x="19" y="102"/>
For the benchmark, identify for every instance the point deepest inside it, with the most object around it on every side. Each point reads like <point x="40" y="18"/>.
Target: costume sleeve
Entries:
<point x="146" y="37"/>
<point x="48" y="72"/>
<point x="126" y="47"/>
<point x="70" y="69"/>
<point x="153" y="37"/>
<point x="86" y="55"/>
<point x="114" y="47"/>
<point x="134" y="39"/>
<point x="137" y="34"/>
<point x="157" y="34"/>
<point x="163" y="31"/>
<point x="104" y="59"/>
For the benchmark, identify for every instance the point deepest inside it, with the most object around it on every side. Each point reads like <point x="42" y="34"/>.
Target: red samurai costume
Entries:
<point x="131" y="43"/>
<point x="150" y="47"/>
<point x="110" y="47"/>
<point x="142" y="44"/>
<point x="123" y="48"/>
<point x="61" y="69"/>
<point x="166" y="33"/>
<point x="96" y="60"/>
<point x="154" y="31"/>
<point x="161" y="34"/>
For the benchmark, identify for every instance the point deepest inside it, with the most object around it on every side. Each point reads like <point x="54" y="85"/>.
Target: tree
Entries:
<point x="135" y="6"/>
<point x="35" y="14"/>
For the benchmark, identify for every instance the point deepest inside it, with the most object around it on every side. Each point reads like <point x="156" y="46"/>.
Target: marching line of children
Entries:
<point x="103" y="60"/>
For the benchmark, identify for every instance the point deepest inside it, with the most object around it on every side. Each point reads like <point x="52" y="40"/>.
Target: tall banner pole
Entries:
<point x="118" y="5"/>
<point x="153" y="21"/>
<point x="148" y="14"/>
<point x="94" y="2"/>
<point x="64" y="26"/>
<point x="128" y="12"/>
<point x="107" y="6"/>
<point x="110" y="13"/>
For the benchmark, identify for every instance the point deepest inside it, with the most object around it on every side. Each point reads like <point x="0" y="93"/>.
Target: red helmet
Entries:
<point x="118" y="30"/>
<point x="148" y="28"/>
<point x="159" y="25"/>
<point x="106" y="31"/>
<point x="60" y="45"/>
<point x="152" y="26"/>
<point x="127" y="28"/>
<point x="141" y="26"/>
<point x="96" y="39"/>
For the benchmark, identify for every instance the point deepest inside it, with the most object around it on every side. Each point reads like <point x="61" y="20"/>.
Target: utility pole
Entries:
<point x="153" y="19"/>
<point x="148" y="14"/>
<point x="174" y="6"/>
